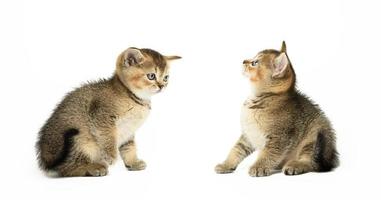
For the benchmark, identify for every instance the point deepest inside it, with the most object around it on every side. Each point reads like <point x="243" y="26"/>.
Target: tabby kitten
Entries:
<point x="94" y="122"/>
<point x="290" y="132"/>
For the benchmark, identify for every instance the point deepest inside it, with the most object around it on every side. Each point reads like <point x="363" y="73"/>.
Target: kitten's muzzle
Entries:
<point x="245" y="66"/>
<point x="245" y="62"/>
<point x="160" y="86"/>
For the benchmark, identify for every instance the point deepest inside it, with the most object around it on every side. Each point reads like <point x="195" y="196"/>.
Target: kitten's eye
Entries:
<point x="165" y="79"/>
<point x="151" y="76"/>
<point x="255" y="63"/>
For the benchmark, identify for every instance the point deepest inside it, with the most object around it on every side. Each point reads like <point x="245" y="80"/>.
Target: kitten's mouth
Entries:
<point x="157" y="91"/>
<point x="244" y="71"/>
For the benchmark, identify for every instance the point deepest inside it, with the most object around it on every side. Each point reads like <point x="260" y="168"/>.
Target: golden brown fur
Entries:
<point x="290" y="132"/>
<point x="91" y="124"/>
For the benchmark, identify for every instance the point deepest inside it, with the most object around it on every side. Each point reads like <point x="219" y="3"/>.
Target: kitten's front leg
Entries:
<point x="268" y="160"/>
<point x="240" y="151"/>
<point x="130" y="159"/>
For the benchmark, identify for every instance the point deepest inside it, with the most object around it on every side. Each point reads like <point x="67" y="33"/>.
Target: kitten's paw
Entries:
<point x="259" y="171"/>
<point x="96" y="170"/>
<point x="296" y="168"/>
<point x="223" y="169"/>
<point x="136" y="166"/>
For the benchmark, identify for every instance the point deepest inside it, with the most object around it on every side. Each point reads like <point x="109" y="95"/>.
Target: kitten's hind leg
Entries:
<point x="84" y="159"/>
<point x="317" y="153"/>
<point x="296" y="167"/>
<point x="267" y="161"/>
<point x="80" y="165"/>
<point x="240" y="151"/>
<point x="91" y="169"/>
<point x="302" y="163"/>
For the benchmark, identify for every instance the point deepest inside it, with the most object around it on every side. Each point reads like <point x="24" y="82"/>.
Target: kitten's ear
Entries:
<point x="283" y="48"/>
<point x="281" y="64"/>
<point x="132" y="56"/>
<point x="172" y="57"/>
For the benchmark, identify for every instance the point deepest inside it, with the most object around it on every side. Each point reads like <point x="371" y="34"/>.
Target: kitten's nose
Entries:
<point x="160" y="86"/>
<point x="246" y="61"/>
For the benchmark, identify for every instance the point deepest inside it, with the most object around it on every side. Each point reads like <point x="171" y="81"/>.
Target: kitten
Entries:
<point x="289" y="131"/>
<point x="94" y="122"/>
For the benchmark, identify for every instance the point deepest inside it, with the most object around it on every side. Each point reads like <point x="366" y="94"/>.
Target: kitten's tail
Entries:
<point x="326" y="156"/>
<point x="53" y="151"/>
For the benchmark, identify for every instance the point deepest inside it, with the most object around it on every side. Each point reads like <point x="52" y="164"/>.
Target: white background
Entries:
<point x="47" y="48"/>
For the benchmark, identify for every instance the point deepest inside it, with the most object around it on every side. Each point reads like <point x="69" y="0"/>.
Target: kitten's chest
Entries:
<point x="252" y="127"/>
<point x="129" y="122"/>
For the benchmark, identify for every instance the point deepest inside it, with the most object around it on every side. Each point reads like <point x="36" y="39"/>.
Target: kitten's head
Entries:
<point x="270" y="71"/>
<point x="144" y="71"/>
